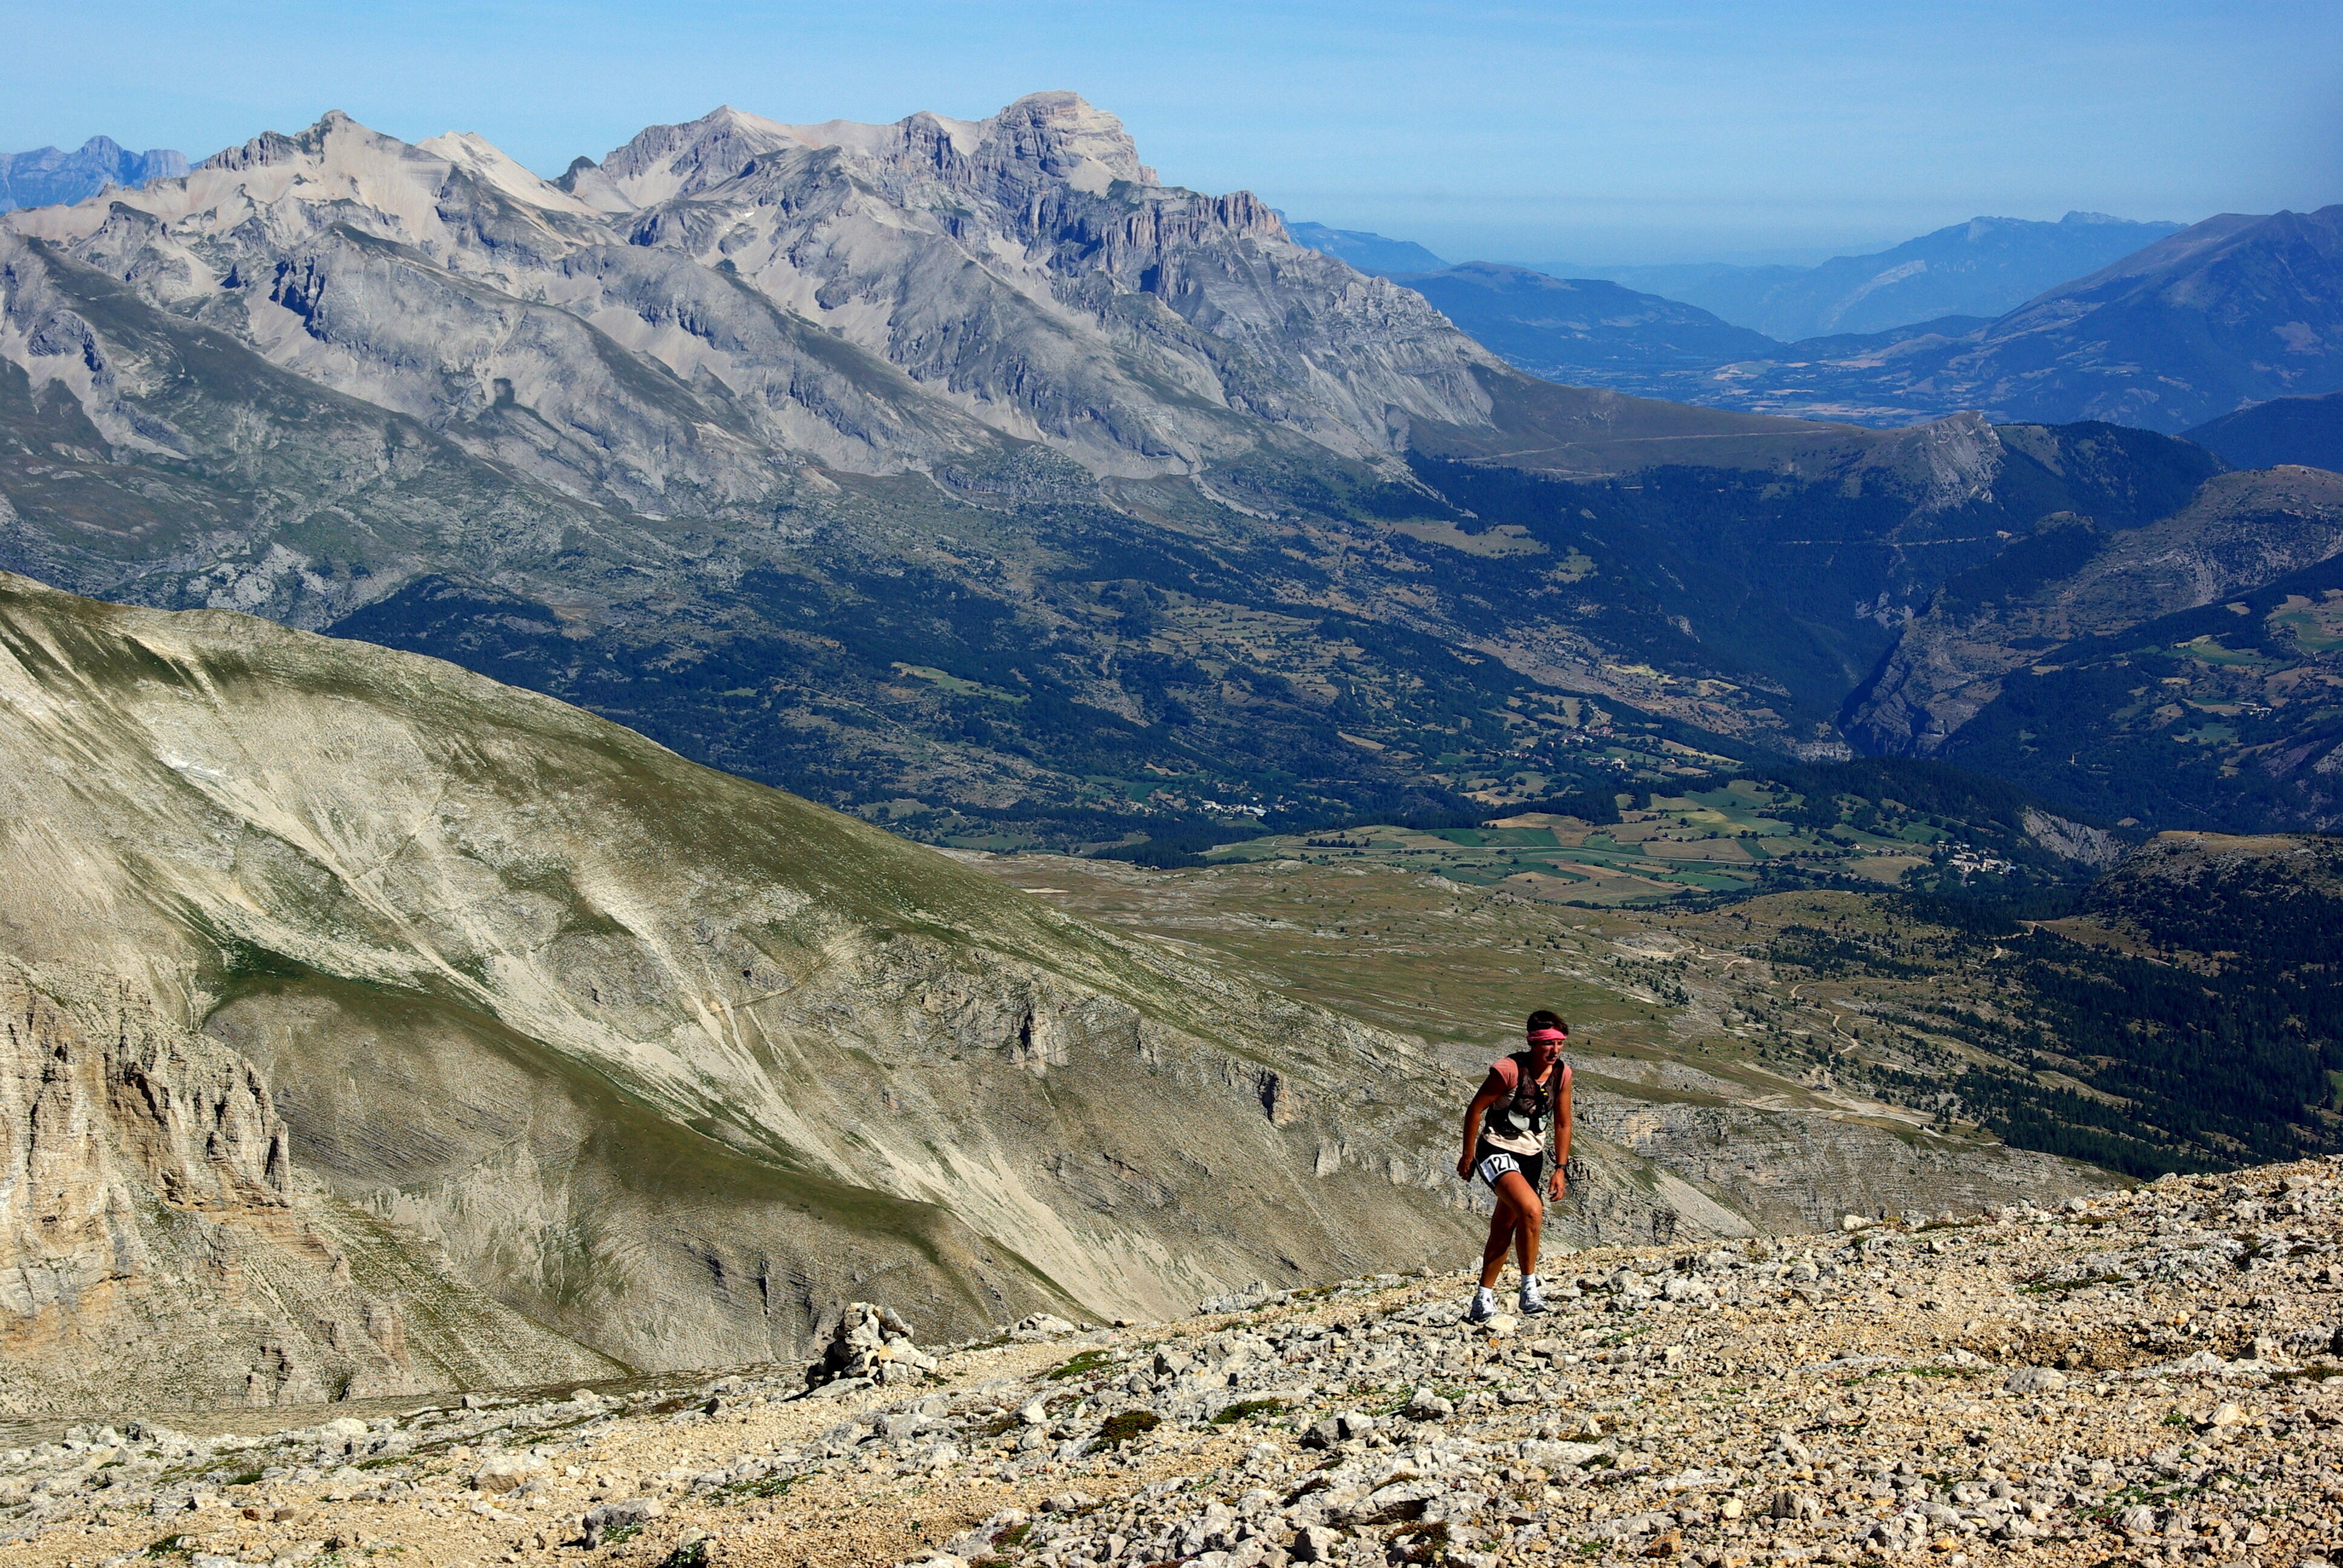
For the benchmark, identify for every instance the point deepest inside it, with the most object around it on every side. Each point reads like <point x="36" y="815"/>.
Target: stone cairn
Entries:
<point x="873" y="1343"/>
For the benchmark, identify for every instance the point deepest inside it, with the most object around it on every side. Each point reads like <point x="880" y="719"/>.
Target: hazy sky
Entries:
<point x="1597" y="132"/>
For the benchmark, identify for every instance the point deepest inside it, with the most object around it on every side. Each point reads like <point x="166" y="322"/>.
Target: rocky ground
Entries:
<point x="2148" y="1375"/>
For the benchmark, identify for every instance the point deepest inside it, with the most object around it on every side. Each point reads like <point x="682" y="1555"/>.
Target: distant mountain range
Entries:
<point x="48" y="175"/>
<point x="1987" y="266"/>
<point x="2235" y="310"/>
<point x="1583" y="329"/>
<point x="2197" y="325"/>
<point x="1984" y="268"/>
<point x="1370" y="253"/>
<point x="966" y="474"/>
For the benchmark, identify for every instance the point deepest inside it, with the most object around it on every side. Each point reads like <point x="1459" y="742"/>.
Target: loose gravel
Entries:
<point x="2153" y="1375"/>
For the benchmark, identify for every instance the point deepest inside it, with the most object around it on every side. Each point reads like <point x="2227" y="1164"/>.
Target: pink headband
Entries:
<point x="1549" y="1034"/>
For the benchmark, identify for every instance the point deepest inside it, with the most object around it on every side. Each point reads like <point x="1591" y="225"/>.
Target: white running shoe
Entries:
<point x="1484" y="1306"/>
<point x="1533" y="1295"/>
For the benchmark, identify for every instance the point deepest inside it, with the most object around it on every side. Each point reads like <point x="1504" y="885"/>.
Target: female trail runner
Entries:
<point x="1504" y="1145"/>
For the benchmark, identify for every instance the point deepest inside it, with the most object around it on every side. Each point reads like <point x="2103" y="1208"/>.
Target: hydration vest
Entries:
<point x="1532" y="1106"/>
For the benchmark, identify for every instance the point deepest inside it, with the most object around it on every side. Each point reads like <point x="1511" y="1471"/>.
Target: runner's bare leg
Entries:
<point x="1530" y="1224"/>
<point x="1516" y="1223"/>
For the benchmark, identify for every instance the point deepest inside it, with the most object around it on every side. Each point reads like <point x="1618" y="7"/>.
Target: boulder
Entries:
<point x="1555" y="1458"/>
<point x="1426" y="1405"/>
<point x="509" y="1473"/>
<point x="604" y="1519"/>
<point x="1317" y="1544"/>
<point x="871" y="1342"/>
<point x="1349" y="1426"/>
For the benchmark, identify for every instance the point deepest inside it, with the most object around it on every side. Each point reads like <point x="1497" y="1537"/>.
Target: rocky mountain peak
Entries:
<point x="491" y="165"/>
<point x="1946" y="463"/>
<point x="1056" y="137"/>
<point x="244" y="228"/>
<point x="261" y="151"/>
<point x="336" y="162"/>
<point x="1062" y="131"/>
<point x="663" y="162"/>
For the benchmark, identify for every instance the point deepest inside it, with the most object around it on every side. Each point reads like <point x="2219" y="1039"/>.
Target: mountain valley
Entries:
<point x="244" y="415"/>
<point x="1832" y="1017"/>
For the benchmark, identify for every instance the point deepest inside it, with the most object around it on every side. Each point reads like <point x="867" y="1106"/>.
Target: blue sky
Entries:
<point x="1535" y="133"/>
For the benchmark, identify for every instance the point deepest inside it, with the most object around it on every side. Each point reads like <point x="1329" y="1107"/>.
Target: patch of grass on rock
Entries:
<point x="1132" y="1423"/>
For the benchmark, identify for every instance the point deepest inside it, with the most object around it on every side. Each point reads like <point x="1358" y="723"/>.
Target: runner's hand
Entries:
<point x="1554" y="1183"/>
<point x="1465" y="1169"/>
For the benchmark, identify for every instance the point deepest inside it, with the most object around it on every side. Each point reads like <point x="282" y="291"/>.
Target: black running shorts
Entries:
<point x="1490" y="1163"/>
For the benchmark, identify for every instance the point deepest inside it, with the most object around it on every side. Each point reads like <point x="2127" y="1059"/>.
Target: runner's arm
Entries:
<point x="1490" y="1093"/>
<point x="1561" y="1134"/>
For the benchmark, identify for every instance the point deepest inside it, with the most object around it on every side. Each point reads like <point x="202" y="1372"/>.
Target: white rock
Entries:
<point x="1316" y="1544"/>
<point x="1698" y="1480"/>
<point x="509" y="1473"/>
<point x="1557" y="1458"/>
<point x="1425" y="1405"/>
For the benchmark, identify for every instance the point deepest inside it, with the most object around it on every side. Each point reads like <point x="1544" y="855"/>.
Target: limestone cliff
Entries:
<point x="157" y="1244"/>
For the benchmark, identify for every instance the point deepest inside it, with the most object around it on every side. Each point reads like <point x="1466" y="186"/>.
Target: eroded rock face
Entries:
<point x="88" y="1126"/>
<point x="158" y="1244"/>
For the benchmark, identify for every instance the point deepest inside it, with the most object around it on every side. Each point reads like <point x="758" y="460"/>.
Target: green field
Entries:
<point x="1714" y="841"/>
